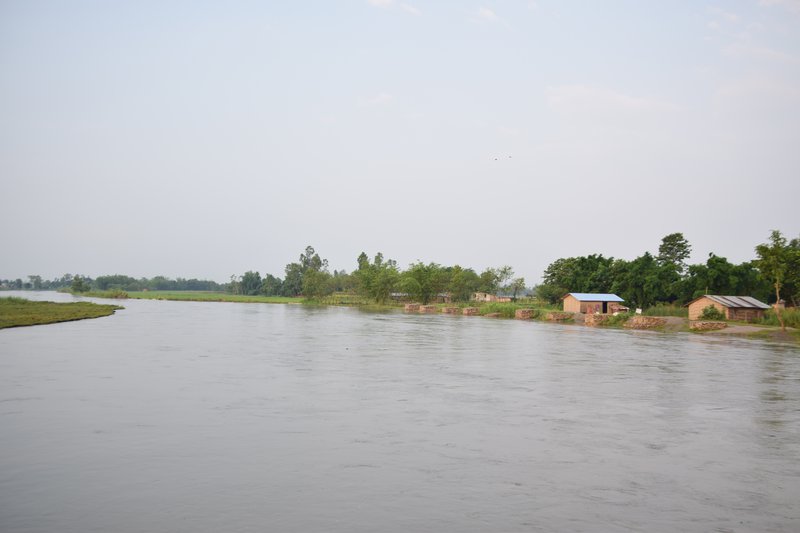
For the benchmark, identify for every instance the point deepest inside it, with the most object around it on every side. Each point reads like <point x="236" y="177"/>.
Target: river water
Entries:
<point x="210" y="417"/>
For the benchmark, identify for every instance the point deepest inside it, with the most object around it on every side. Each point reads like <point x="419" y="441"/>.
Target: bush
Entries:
<point x="711" y="313"/>
<point x="618" y="320"/>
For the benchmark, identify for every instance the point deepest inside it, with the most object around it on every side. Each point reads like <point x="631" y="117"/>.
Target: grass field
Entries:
<point x="667" y="310"/>
<point x="790" y="316"/>
<point x="21" y="312"/>
<point x="200" y="296"/>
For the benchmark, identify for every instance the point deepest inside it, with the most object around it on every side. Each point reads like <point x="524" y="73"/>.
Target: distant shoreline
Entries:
<point x="538" y="312"/>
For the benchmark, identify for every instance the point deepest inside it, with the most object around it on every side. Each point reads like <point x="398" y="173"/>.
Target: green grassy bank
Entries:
<point x="20" y="312"/>
<point x="200" y="296"/>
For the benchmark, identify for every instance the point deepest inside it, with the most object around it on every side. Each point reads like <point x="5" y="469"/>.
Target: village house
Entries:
<point x="488" y="297"/>
<point x="590" y="303"/>
<point x="733" y="307"/>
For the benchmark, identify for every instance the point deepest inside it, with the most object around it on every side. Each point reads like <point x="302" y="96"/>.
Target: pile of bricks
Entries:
<point x="523" y="314"/>
<point x="450" y="310"/>
<point x="645" y="322"/>
<point x="471" y="311"/>
<point x="559" y="317"/>
<point x="706" y="325"/>
<point x="596" y="319"/>
<point x="427" y="308"/>
<point x="411" y="308"/>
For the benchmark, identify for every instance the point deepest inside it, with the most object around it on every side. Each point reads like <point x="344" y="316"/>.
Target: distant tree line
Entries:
<point x="79" y="283"/>
<point x="667" y="278"/>
<point x="378" y="280"/>
<point x="642" y="282"/>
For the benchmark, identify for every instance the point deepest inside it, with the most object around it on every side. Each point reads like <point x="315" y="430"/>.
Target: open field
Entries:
<point x="20" y="312"/>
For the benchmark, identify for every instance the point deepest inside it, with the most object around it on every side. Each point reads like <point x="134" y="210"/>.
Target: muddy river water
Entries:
<point x="212" y="417"/>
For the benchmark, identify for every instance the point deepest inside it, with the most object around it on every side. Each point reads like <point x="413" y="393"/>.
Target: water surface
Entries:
<point x="207" y="417"/>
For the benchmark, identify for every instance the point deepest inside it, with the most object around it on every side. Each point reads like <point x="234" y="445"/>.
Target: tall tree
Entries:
<point x="674" y="250"/>
<point x="773" y="262"/>
<point x="517" y="286"/>
<point x="309" y="261"/>
<point x="791" y="285"/>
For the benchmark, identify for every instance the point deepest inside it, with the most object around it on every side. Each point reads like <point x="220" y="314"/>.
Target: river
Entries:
<point x="211" y="417"/>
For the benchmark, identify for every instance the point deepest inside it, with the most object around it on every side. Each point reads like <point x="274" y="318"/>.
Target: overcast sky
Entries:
<point x="203" y="139"/>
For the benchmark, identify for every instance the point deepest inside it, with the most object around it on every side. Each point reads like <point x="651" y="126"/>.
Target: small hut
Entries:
<point x="744" y="308"/>
<point x="587" y="302"/>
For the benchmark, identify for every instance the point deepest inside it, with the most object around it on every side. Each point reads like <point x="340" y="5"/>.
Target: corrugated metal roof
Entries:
<point x="738" y="301"/>
<point x="595" y="297"/>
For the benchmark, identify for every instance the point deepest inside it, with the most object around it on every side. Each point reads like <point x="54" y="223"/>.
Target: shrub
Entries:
<point x="506" y="310"/>
<point x="791" y="317"/>
<point x="711" y="313"/>
<point x="618" y="320"/>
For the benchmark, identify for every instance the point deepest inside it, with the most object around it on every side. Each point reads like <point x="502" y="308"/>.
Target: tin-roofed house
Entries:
<point x="744" y="308"/>
<point x="589" y="303"/>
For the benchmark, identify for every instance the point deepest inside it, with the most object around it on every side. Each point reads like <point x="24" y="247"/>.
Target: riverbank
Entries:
<point x="200" y="296"/>
<point x="17" y="312"/>
<point x="187" y="296"/>
<point x="533" y="310"/>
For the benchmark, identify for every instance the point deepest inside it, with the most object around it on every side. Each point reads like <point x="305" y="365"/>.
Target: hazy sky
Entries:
<point x="202" y="139"/>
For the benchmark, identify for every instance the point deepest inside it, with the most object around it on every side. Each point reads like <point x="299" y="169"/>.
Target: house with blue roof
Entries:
<point x="590" y="303"/>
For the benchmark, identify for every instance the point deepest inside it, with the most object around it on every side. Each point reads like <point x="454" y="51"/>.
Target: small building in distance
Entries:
<point x="589" y="303"/>
<point x="489" y="297"/>
<point x="744" y="308"/>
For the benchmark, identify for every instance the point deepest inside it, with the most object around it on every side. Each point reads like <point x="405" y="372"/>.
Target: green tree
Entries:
<point x="309" y="261"/>
<point x="773" y="262"/>
<point x="117" y="281"/>
<point x="791" y="285"/>
<point x="550" y="292"/>
<point x="250" y="283"/>
<point x="271" y="286"/>
<point x="674" y="250"/>
<point x="639" y="282"/>
<point x="517" y="285"/>
<point x="234" y="286"/>
<point x="293" y="280"/>
<point x="79" y="284"/>
<point x="376" y="280"/>
<point x="504" y="274"/>
<point x="423" y="282"/>
<point x="36" y="282"/>
<point x="489" y="281"/>
<point x="463" y="283"/>
<point x="316" y="284"/>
